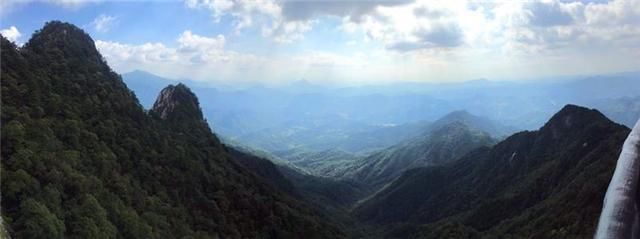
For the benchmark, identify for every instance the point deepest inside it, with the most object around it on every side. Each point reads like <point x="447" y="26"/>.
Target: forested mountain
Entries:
<point x="535" y="184"/>
<point x="439" y="145"/>
<point x="82" y="159"/>
<point x="483" y="124"/>
<point x="265" y="169"/>
<point x="322" y="163"/>
<point x="332" y="198"/>
<point x="433" y="144"/>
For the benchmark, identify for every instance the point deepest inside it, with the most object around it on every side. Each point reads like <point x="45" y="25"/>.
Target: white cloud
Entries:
<point x="575" y="25"/>
<point x="267" y="14"/>
<point x="408" y="40"/>
<point x="196" y="57"/>
<point x="416" y="26"/>
<point x="206" y="59"/>
<point x="218" y="7"/>
<point x="148" y="53"/>
<point x="417" y="40"/>
<point x="11" y="33"/>
<point x="202" y="49"/>
<point x="103" y="23"/>
<point x="507" y="26"/>
<point x="191" y="42"/>
<point x="287" y="31"/>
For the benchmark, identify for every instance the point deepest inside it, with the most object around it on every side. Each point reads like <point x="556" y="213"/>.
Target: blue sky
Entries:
<point x="347" y="42"/>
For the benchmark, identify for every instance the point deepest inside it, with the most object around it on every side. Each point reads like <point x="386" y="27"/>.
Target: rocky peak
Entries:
<point x="177" y="102"/>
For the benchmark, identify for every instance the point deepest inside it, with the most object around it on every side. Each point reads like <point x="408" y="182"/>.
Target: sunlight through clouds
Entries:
<point x="398" y="40"/>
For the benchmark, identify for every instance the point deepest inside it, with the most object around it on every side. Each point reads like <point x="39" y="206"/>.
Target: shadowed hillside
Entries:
<point x="541" y="184"/>
<point x="81" y="159"/>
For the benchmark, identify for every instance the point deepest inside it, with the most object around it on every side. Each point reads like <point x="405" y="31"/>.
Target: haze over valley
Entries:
<point x="302" y="117"/>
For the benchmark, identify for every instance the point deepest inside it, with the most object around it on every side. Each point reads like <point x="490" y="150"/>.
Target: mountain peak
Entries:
<point x="459" y="114"/>
<point x="61" y="39"/>
<point x="573" y="117"/>
<point x="177" y="102"/>
<point x="456" y="116"/>
<point x="452" y="125"/>
<point x="480" y="123"/>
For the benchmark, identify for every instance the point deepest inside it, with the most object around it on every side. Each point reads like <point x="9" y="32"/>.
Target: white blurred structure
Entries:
<point x="620" y="218"/>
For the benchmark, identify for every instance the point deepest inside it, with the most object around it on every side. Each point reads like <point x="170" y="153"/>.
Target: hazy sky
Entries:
<point x="347" y="41"/>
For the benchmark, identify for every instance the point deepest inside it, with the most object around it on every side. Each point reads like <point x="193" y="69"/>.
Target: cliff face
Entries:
<point x="177" y="102"/>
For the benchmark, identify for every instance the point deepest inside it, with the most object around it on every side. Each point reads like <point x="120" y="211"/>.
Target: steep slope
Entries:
<point x="438" y="146"/>
<point x="329" y="197"/>
<point x="327" y="192"/>
<point x="81" y="159"/>
<point x="323" y="163"/>
<point x="265" y="169"/>
<point x="542" y="184"/>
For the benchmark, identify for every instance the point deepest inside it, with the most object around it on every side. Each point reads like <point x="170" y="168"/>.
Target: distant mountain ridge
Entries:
<point x="491" y="127"/>
<point x="308" y="117"/>
<point x="439" y="145"/>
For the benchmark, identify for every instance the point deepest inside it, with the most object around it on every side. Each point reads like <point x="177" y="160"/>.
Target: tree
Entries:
<point x="36" y="221"/>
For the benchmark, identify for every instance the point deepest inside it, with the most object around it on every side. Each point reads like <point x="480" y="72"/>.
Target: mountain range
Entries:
<point x="439" y="146"/>
<point x="303" y="116"/>
<point x="547" y="183"/>
<point x="85" y="156"/>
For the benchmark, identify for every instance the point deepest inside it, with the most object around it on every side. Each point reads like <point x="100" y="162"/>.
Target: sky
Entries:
<point x="347" y="42"/>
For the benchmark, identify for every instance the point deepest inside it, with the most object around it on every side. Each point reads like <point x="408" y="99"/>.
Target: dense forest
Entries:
<point x="82" y="159"/>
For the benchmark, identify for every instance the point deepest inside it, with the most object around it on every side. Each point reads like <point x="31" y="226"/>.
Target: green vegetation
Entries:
<point x="543" y="184"/>
<point x="82" y="159"/>
<point x="325" y="163"/>
<point x="443" y="144"/>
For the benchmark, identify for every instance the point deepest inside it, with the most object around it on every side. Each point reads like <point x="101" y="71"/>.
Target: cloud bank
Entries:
<point x="405" y="40"/>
